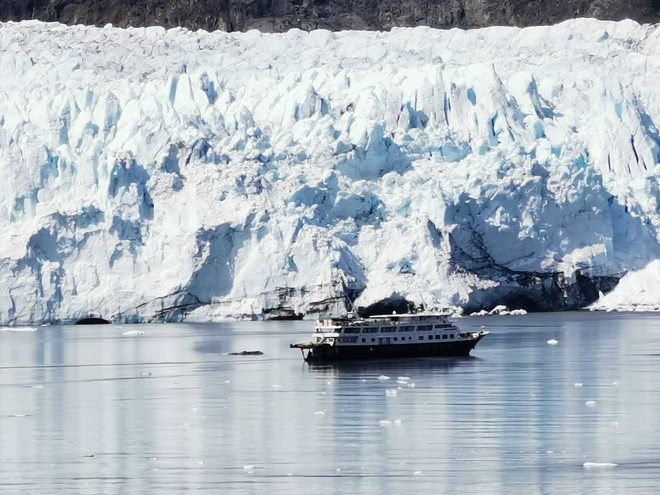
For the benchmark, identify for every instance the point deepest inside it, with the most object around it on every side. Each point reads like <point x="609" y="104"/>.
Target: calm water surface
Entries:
<point x="103" y="410"/>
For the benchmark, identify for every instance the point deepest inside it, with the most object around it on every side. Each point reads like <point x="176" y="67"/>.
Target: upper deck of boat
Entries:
<point x="387" y="320"/>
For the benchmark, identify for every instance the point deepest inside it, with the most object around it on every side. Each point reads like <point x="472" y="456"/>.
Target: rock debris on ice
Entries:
<point x="164" y="175"/>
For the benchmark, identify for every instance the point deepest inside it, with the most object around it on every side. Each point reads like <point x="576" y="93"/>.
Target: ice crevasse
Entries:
<point x="159" y="175"/>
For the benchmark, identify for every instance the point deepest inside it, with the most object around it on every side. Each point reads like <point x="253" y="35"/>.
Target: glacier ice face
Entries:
<point x="151" y="174"/>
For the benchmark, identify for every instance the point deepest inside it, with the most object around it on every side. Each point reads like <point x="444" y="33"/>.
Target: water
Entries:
<point x="90" y="410"/>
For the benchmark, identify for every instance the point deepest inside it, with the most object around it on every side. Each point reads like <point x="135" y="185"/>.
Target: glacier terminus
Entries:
<point x="169" y="175"/>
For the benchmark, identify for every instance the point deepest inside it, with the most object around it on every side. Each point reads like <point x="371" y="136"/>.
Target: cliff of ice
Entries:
<point x="148" y="174"/>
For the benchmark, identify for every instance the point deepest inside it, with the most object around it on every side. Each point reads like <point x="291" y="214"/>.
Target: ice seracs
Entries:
<point x="153" y="175"/>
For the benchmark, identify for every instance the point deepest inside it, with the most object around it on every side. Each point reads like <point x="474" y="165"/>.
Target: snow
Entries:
<point x="150" y="174"/>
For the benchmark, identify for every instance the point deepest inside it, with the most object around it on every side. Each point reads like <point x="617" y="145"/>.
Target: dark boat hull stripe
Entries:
<point x="327" y="353"/>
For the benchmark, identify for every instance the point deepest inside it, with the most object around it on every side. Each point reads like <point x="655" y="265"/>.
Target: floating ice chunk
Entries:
<point x="499" y="310"/>
<point x="590" y="403"/>
<point x="553" y="342"/>
<point x="577" y="384"/>
<point x="320" y="413"/>
<point x="411" y="385"/>
<point x="383" y="377"/>
<point x="417" y="473"/>
<point x="276" y="386"/>
<point x="19" y="329"/>
<point x="248" y="468"/>
<point x="518" y="312"/>
<point x="134" y="332"/>
<point x="403" y="379"/>
<point x="600" y="465"/>
<point x="391" y="392"/>
<point x="387" y="422"/>
<point x="615" y="384"/>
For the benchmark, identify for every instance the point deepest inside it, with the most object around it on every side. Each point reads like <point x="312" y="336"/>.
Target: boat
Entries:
<point x="387" y="336"/>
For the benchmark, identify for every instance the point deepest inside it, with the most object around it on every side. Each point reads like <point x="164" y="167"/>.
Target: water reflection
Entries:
<point x="102" y="410"/>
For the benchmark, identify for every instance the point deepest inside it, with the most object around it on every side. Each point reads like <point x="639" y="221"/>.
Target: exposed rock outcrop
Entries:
<point x="281" y="15"/>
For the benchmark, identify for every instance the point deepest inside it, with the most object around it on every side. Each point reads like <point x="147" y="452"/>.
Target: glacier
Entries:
<point x="169" y="175"/>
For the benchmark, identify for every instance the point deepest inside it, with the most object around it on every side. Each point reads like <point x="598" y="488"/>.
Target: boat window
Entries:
<point x="387" y="329"/>
<point x="451" y="335"/>
<point x="364" y="340"/>
<point x="373" y="340"/>
<point x="421" y="337"/>
<point x="444" y="336"/>
<point x="352" y="330"/>
<point x="371" y="330"/>
<point x="425" y="328"/>
<point x="396" y="339"/>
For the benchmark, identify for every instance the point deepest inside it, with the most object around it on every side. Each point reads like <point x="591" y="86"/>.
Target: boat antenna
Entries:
<point x="352" y="311"/>
<point x="421" y="296"/>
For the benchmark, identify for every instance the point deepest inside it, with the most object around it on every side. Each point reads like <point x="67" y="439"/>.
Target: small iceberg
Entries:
<point x="599" y="465"/>
<point x="19" y="329"/>
<point x="133" y="333"/>
<point x="553" y="342"/>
